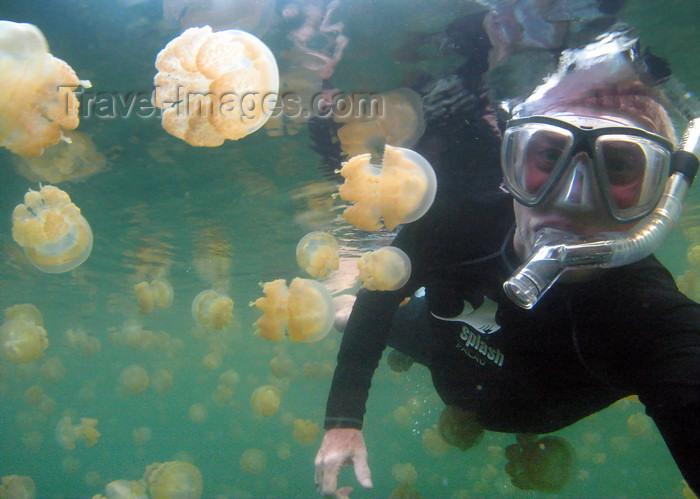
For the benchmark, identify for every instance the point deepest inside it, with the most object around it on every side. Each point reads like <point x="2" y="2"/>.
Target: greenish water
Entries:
<point x="162" y="207"/>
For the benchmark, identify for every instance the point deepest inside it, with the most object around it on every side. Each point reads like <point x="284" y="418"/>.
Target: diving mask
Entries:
<point x="629" y="166"/>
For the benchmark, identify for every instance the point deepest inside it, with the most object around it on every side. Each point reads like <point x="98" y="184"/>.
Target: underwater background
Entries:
<point x="159" y="207"/>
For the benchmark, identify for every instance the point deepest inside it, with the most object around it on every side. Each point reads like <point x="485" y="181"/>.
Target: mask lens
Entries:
<point x="532" y="158"/>
<point x="633" y="170"/>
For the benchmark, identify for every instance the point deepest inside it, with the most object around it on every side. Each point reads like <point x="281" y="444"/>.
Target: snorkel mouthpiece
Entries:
<point x="556" y="251"/>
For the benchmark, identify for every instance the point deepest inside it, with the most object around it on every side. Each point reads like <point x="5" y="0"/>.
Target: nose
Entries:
<point x="576" y="190"/>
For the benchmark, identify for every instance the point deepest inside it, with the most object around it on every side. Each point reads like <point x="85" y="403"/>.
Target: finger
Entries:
<point x="329" y="477"/>
<point x="362" y="472"/>
<point x="342" y="493"/>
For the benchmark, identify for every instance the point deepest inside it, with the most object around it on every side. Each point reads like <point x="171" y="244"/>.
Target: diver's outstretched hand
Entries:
<point x="341" y="447"/>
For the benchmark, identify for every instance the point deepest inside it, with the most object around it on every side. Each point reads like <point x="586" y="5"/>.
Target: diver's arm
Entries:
<point x="680" y="428"/>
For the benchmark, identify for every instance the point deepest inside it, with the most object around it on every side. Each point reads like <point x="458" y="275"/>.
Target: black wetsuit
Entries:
<point x="584" y="346"/>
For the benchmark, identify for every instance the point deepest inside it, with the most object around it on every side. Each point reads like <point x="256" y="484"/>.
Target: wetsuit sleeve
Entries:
<point x="648" y="343"/>
<point x="360" y="350"/>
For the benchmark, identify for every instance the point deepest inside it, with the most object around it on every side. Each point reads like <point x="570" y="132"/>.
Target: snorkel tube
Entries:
<point x="557" y="251"/>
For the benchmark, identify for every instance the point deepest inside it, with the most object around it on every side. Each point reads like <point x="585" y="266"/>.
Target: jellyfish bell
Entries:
<point x="305" y="431"/>
<point x="25" y="311"/>
<point x="126" y="489"/>
<point x="158" y="293"/>
<point x="546" y="464"/>
<point x="311" y="310"/>
<point x="50" y="228"/>
<point x="253" y="461"/>
<point x="400" y="190"/>
<point x="459" y="427"/>
<point x="174" y="480"/>
<point x="317" y="253"/>
<point x="17" y="487"/>
<point x="209" y="308"/>
<point x="266" y="400"/>
<point x="37" y="102"/>
<point x="133" y="380"/>
<point x="214" y="86"/>
<point x="22" y="341"/>
<point x="385" y="269"/>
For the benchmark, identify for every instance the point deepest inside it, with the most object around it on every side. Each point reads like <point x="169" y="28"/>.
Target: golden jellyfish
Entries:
<point x="212" y="309"/>
<point x="694" y="255"/>
<point x="142" y="435"/>
<point x="53" y="370"/>
<point x="317" y="253"/>
<point x="433" y="443"/>
<point x="266" y="400"/>
<point x="78" y="339"/>
<point x="222" y="395"/>
<point x="174" y="480"/>
<point x="133" y="380"/>
<point x="158" y="293"/>
<point x="284" y="451"/>
<point x="162" y="381"/>
<point x="639" y="424"/>
<point x="26" y="312"/>
<point x="23" y="341"/>
<point x="73" y="158"/>
<point x="49" y="227"/>
<point x="214" y="86"/>
<point x="399" y="190"/>
<point x="34" y="395"/>
<point x="385" y="269"/>
<point x="460" y="427"/>
<point x="17" y="487"/>
<point x="37" y="101"/>
<point x="404" y="473"/>
<point x="398" y="361"/>
<point x="198" y="413"/>
<point x="67" y="433"/>
<point x="304" y="311"/>
<point x="405" y="491"/>
<point x="397" y="122"/>
<point x="253" y="461"/>
<point x="546" y="464"/>
<point x="230" y="378"/>
<point x="305" y="431"/>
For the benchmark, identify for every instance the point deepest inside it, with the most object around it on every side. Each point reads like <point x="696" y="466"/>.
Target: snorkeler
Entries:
<point x="586" y="159"/>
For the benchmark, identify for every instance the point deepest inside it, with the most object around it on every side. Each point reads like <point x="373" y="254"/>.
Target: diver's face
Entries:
<point x="575" y="204"/>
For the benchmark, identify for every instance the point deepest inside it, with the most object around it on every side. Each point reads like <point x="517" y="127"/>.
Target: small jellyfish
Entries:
<point x="158" y="293"/>
<point x="23" y="341"/>
<point x="305" y="431"/>
<point x="222" y="395"/>
<point x="304" y="311"/>
<point x="37" y="102"/>
<point x="317" y="253"/>
<point x="142" y="435"/>
<point x="67" y="433"/>
<point x="133" y="380"/>
<point x="398" y="361"/>
<point x="460" y="427"/>
<point x="399" y="190"/>
<point x="214" y="86"/>
<point x="385" y="269"/>
<point x="198" y="413"/>
<point x="53" y="370"/>
<point x="49" y="227"/>
<point x="546" y="464"/>
<point x="17" y="487"/>
<point x="266" y="400"/>
<point x="230" y="378"/>
<point x="694" y="255"/>
<point x="253" y="461"/>
<point x="399" y="122"/>
<point x="212" y="309"/>
<point x="174" y="480"/>
<point x="404" y="473"/>
<point x="433" y="443"/>
<point x="162" y="381"/>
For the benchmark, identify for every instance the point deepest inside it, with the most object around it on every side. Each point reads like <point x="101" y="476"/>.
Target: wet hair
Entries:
<point x="635" y="100"/>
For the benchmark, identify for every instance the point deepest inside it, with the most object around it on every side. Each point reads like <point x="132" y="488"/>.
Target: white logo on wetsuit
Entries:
<point x="482" y="319"/>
